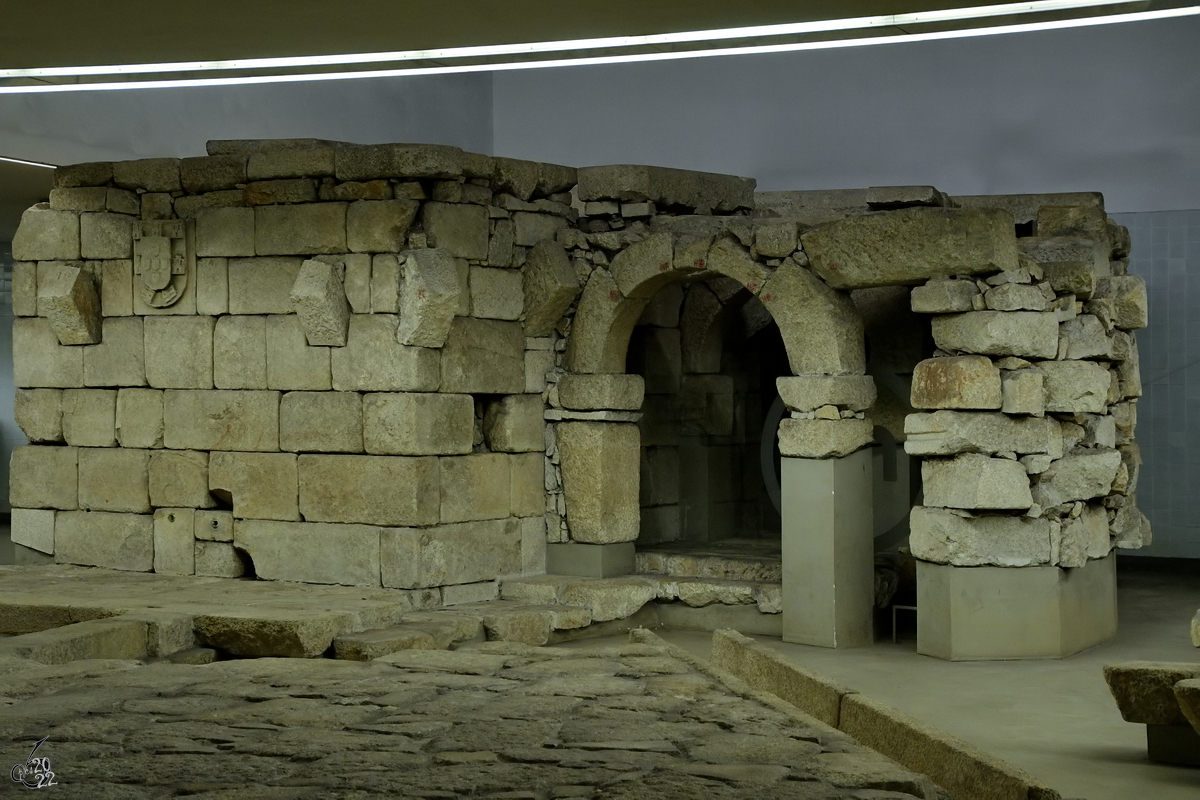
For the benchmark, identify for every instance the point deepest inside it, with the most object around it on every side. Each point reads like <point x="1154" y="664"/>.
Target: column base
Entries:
<point x="995" y="613"/>
<point x="590" y="560"/>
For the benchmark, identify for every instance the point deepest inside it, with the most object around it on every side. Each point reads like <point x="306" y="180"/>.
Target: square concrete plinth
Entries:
<point x="590" y="560"/>
<point x="992" y="613"/>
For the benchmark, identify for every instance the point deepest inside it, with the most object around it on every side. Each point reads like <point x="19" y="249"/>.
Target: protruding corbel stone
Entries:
<point x="429" y="297"/>
<point x="67" y="297"/>
<point x="319" y="297"/>
<point x="550" y="285"/>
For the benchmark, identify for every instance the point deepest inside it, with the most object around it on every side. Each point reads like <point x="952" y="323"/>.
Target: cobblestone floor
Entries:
<point x="488" y="720"/>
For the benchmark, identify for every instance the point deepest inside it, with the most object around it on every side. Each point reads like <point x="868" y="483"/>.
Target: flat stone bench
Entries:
<point x="1154" y="694"/>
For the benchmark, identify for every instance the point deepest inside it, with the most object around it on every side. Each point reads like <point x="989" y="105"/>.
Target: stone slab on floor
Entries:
<point x="491" y="720"/>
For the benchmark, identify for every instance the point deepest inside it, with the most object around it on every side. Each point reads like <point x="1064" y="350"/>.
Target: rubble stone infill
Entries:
<point x="491" y="720"/>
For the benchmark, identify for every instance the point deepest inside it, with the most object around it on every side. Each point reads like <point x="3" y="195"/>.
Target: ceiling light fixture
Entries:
<point x="25" y="163"/>
<point x="618" y="59"/>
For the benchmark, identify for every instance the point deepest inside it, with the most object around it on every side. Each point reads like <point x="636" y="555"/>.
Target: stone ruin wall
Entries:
<point x="404" y="365"/>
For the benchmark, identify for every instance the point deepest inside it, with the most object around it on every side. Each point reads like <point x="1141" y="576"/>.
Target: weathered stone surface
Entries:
<point x="530" y="228"/>
<point x="496" y="293"/>
<point x="139" y="420"/>
<point x="368" y="162"/>
<point x="262" y="285"/>
<point x="273" y="634"/>
<point x="221" y="420"/>
<point x="24" y="289"/>
<point x="38" y="358"/>
<point x="211" y="173"/>
<point x="998" y="333"/>
<point x="46" y="235"/>
<point x="119" y="359"/>
<point x="514" y="424"/>
<point x="1196" y="629"/>
<point x="820" y="327"/>
<point x="463" y="553"/>
<point x="174" y="543"/>
<point x="1128" y="295"/>
<point x="372" y="644"/>
<point x="379" y="226"/>
<point x="67" y="297"/>
<point x="944" y="537"/>
<point x="956" y="382"/>
<point x="1075" y="386"/>
<point x="292" y="162"/>
<point x="311" y="552"/>
<point x="643" y="268"/>
<point x="301" y="228"/>
<point x="41" y="476"/>
<point x="151" y="174"/>
<point x="418" y="423"/>
<point x="1187" y="693"/>
<point x="33" y="528"/>
<point x="810" y="392"/>
<point x="101" y="539"/>
<point x="1144" y="690"/>
<point x="114" y="479"/>
<point x="240" y="352"/>
<point x="665" y="187"/>
<point x="106" y="236"/>
<point x="975" y="481"/>
<point x="1071" y="264"/>
<point x="944" y="297"/>
<point x="1082" y="538"/>
<point x="911" y="245"/>
<point x="293" y="364"/>
<point x="116" y="288"/>
<point x="1016" y="297"/>
<point x="179" y="479"/>
<point x="600" y="479"/>
<point x="1023" y="392"/>
<point x="38" y="413"/>
<point x="484" y="356"/>
<point x="94" y="173"/>
<point x="945" y="433"/>
<point x="218" y="559"/>
<point x="322" y="422"/>
<point x="1079" y="476"/>
<point x="823" y="438"/>
<point x="459" y="228"/>
<point x="592" y="392"/>
<point x="179" y="352"/>
<point x="775" y="239"/>
<point x="602" y="325"/>
<point x="528" y="497"/>
<point x="319" y="298"/>
<point x="475" y="487"/>
<point x="1084" y="337"/>
<point x="727" y="256"/>
<point x="90" y="417"/>
<point x="428" y="298"/>
<point x="259" y="485"/>
<point x="374" y="490"/>
<point x="214" y="526"/>
<point x="373" y="361"/>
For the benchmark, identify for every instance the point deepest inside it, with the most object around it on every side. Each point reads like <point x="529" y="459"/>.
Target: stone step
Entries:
<point x="98" y="638"/>
<point x="618" y="598"/>
<point x="432" y="634"/>
<point x="509" y="620"/>
<point x="742" y="560"/>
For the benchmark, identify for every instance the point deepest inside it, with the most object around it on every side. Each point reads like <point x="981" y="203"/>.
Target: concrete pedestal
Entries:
<point x="828" y="551"/>
<point x="590" y="560"/>
<point x="982" y="613"/>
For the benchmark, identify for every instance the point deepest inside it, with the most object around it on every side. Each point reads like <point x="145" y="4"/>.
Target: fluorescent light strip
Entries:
<point x="483" y="51"/>
<point x="26" y="163"/>
<point x="1027" y="27"/>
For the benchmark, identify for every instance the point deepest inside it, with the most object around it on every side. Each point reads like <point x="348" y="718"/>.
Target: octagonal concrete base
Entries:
<point x="991" y="613"/>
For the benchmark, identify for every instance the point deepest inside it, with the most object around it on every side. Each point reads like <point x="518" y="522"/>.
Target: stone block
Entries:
<point x="821" y="329"/>
<point x="288" y="190"/>
<point x="373" y="361"/>
<point x="459" y="228"/>
<point x="321" y="422"/>
<point x="1128" y="295"/>
<point x="600" y="463"/>
<point x="102" y="539"/>
<point x="106" y="236"/>
<point x="179" y="479"/>
<point x="356" y="280"/>
<point x="95" y="173"/>
<point x="810" y="392"/>
<point x="214" y="526"/>
<point x="116" y="288"/>
<point x="189" y="206"/>
<point x="38" y="413"/>
<point x="225" y="232"/>
<point x="34" y="528"/>
<point x="1026" y="334"/>
<point x="418" y="423"/>
<point x="221" y="420"/>
<point x="262" y="285"/>
<point x="663" y="309"/>
<point x="466" y="552"/>
<point x="642" y="268"/>
<point x="379" y="226"/>
<point x="601" y="327"/>
<point x="707" y="404"/>
<point x="483" y="356"/>
<point x="114" y="479"/>
<point x="944" y="297"/>
<point x="174" y="542"/>
<point x="42" y="476"/>
<point x="529" y="228"/>
<point x="319" y="299"/>
<point x="375" y="490"/>
<point x="429" y="297"/>
<point x="659" y="357"/>
<point x="1016" y="297"/>
<point x="537" y="364"/>
<point x="1079" y="476"/>
<point x="496" y="293"/>
<point x="775" y="239"/>
<point x="528" y="478"/>
<point x="119" y="359"/>
<point x="631" y="183"/>
<point x="361" y="190"/>
<point x="596" y="392"/>
<point x="46" y="235"/>
<point x="240" y="352"/>
<point x="1082" y="538"/>
<point x="212" y="173"/>
<point x="1144" y="690"/>
<point x="1084" y="337"/>
<point x="311" y="552"/>
<point x="1074" y="386"/>
<point x="372" y="644"/>
<point x="386" y="273"/>
<point x="179" y="352"/>
<point x="823" y="438"/>
<point x="150" y="174"/>
<point x="475" y="487"/>
<point x="550" y="285"/>
<point x="89" y="417"/>
<point x="38" y="358"/>
<point x="293" y="364"/>
<point x="1023" y="392"/>
<point x="259" y="485"/>
<point x="975" y="481"/>
<point x="410" y="161"/>
<point x="659" y="476"/>
<point x="219" y="560"/>
<point x="514" y="424"/>
<point x="500" y="244"/>
<point x="24" y="288"/>
<point x="68" y="299"/>
<point x="944" y="433"/>
<point x="152" y="205"/>
<point x="139" y="418"/>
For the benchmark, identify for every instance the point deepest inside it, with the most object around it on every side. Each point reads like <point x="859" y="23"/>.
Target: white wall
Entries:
<point x="1113" y="108"/>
